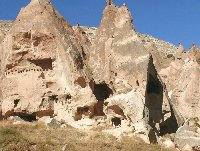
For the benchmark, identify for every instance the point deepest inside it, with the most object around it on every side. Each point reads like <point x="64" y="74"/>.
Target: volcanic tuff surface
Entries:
<point x="86" y="76"/>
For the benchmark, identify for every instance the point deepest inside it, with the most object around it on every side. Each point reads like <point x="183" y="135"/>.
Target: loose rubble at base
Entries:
<point x="110" y="76"/>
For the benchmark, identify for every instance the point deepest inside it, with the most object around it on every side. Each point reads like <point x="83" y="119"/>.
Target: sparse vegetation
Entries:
<point x="198" y="125"/>
<point x="198" y="60"/>
<point x="10" y="139"/>
<point x="36" y="137"/>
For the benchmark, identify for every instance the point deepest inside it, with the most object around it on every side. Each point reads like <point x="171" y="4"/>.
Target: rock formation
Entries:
<point x="89" y="77"/>
<point x="40" y="60"/>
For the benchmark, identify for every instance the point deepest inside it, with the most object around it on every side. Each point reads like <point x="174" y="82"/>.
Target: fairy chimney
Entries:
<point x="179" y="52"/>
<point x="109" y="2"/>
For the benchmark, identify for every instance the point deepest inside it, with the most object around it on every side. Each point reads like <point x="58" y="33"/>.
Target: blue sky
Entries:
<point x="171" y="20"/>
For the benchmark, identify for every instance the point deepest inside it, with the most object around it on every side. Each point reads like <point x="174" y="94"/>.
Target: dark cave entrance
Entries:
<point x="25" y="116"/>
<point x="101" y="92"/>
<point x="45" y="64"/>
<point x="153" y="101"/>
<point x="153" y="106"/>
<point x="16" y="102"/>
<point x="169" y="126"/>
<point x="116" y="121"/>
<point x="154" y="95"/>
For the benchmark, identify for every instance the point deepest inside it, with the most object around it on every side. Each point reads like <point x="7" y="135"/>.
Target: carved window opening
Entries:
<point x="101" y="92"/>
<point x="86" y="111"/>
<point x="45" y="64"/>
<point x="16" y="102"/>
<point x="116" y="121"/>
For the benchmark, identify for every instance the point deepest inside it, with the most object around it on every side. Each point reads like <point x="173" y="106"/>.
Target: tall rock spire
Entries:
<point x="109" y="2"/>
<point x="115" y="39"/>
<point x="179" y="52"/>
<point x="43" y="57"/>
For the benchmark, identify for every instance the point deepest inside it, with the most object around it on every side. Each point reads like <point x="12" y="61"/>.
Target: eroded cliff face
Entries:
<point x="116" y="47"/>
<point x="118" y="59"/>
<point x="182" y="81"/>
<point x="89" y="77"/>
<point x="60" y="71"/>
<point x="41" y="60"/>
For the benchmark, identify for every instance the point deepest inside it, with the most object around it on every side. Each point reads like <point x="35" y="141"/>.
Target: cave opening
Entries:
<point x="68" y="97"/>
<point x="116" y="121"/>
<point x="101" y="92"/>
<point x="25" y="116"/>
<point x="45" y="64"/>
<point x="153" y="101"/>
<point x="16" y="102"/>
<point x="169" y="126"/>
<point x="117" y="110"/>
<point x="154" y="95"/>
<point x="153" y="106"/>
<point x="86" y="111"/>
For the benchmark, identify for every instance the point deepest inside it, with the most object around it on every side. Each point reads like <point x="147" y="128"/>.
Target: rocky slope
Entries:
<point x="165" y="47"/>
<point x="89" y="77"/>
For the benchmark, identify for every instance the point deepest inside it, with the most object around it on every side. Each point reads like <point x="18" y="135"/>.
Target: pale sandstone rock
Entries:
<point x="198" y="130"/>
<point x="120" y="59"/>
<point x="186" y="92"/>
<point x="45" y="119"/>
<point x="187" y="148"/>
<point x="182" y="81"/>
<point x="115" y="62"/>
<point x="180" y="51"/>
<point x="186" y="135"/>
<point x="168" y="144"/>
<point x="111" y="47"/>
<point x="129" y="106"/>
<point x="42" y="62"/>
<point x="91" y="77"/>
